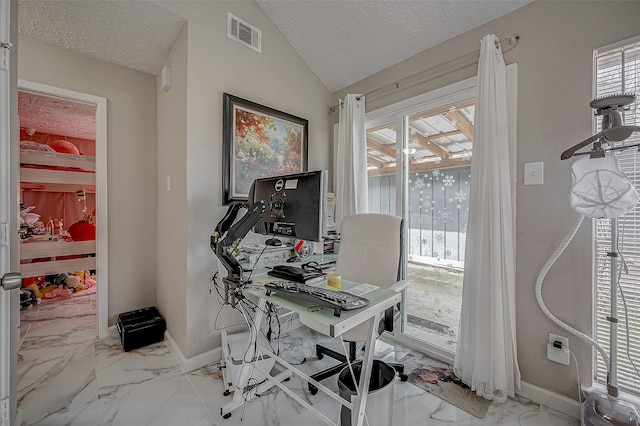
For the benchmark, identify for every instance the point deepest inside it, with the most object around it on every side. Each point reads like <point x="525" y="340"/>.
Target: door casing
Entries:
<point x="9" y="300"/>
<point x="102" y="243"/>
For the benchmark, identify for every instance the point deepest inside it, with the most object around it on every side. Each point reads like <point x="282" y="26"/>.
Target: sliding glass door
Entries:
<point x="419" y="155"/>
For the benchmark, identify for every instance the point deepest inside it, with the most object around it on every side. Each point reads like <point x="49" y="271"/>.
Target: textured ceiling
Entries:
<point x="346" y="41"/>
<point x="342" y="41"/>
<point x="135" y="34"/>
<point x="45" y="114"/>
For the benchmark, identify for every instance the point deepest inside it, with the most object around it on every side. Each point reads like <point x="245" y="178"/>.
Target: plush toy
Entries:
<point x="48" y="289"/>
<point x="90" y="282"/>
<point x="59" y="292"/>
<point x="61" y="278"/>
<point x="36" y="289"/>
<point x="73" y="282"/>
<point x="82" y="274"/>
<point x="26" y="282"/>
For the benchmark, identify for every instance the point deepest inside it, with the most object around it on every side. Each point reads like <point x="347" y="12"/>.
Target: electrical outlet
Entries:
<point x="558" y="354"/>
<point x="534" y="173"/>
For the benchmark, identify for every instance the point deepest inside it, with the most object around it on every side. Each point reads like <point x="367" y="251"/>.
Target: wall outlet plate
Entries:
<point x="559" y="355"/>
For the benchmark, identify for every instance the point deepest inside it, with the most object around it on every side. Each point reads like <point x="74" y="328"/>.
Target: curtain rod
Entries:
<point x="512" y="39"/>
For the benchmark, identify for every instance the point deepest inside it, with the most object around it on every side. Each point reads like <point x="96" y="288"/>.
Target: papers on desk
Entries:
<point x="253" y="252"/>
<point x="362" y="289"/>
<point x="261" y="248"/>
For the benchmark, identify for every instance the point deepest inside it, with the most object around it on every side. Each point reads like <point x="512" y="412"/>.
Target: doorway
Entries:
<point x="75" y="177"/>
<point x="419" y="156"/>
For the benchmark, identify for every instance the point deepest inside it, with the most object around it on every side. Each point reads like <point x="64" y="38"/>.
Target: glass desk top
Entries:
<point x="380" y="299"/>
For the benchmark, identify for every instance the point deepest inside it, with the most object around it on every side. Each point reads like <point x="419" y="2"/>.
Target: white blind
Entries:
<point x="618" y="71"/>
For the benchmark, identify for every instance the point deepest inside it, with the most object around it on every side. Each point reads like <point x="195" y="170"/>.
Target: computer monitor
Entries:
<point x="296" y="205"/>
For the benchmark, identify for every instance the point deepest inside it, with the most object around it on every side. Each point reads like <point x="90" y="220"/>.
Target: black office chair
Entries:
<point x="370" y="252"/>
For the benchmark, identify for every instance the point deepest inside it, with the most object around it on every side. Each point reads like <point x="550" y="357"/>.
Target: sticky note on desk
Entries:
<point x="362" y="289"/>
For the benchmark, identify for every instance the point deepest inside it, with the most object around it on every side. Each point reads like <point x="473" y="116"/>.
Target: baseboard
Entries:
<point x="193" y="363"/>
<point x="206" y="358"/>
<point x="558" y="402"/>
<point x="18" y="421"/>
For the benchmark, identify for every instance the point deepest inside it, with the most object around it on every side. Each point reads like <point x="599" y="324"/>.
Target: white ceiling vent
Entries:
<point x="245" y="33"/>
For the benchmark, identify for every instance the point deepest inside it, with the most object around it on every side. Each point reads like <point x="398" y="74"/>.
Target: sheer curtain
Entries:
<point x="350" y="176"/>
<point x="486" y="357"/>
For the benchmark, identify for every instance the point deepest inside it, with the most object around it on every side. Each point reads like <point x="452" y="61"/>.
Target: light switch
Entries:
<point x="168" y="183"/>
<point x="533" y="173"/>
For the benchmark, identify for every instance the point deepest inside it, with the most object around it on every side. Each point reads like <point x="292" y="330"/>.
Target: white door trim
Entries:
<point x="102" y="246"/>
<point x="9" y="300"/>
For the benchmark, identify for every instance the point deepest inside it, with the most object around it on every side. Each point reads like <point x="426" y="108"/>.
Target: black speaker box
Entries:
<point x="140" y="328"/>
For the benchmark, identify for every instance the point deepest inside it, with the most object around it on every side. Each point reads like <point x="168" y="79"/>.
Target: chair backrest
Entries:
<point x="370" y="248"/>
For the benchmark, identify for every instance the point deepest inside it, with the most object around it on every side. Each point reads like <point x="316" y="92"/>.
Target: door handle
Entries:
<point x="11" y="280"/>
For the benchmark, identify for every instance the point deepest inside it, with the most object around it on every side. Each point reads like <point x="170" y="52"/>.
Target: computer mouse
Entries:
<point x="273" y="242"/>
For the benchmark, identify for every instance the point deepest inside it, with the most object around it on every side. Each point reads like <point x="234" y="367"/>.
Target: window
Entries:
<point x="617" y="70"/>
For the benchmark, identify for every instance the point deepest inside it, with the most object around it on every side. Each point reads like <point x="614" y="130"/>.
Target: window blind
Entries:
<point x="618" y="71"/>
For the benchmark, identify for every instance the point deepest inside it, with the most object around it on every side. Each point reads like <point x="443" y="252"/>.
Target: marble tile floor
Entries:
<point x="67" y="377"/>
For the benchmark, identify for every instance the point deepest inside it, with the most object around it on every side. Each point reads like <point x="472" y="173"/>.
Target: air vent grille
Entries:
<point x="245" y="33"/>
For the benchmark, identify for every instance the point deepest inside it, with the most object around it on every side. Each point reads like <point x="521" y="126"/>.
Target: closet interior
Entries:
<point x="57" y="198"/>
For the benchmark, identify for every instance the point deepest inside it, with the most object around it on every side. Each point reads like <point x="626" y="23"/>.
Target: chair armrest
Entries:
<point x="399" y="286"/>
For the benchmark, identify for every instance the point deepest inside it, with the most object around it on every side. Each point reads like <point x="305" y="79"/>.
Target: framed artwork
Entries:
<point x="258" y="142"/>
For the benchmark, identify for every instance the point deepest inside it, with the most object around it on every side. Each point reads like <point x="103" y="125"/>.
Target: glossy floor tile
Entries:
<point x="68" y="377"/>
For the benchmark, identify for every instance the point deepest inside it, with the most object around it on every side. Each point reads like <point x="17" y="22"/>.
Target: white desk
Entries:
<point x="380" y="300"/>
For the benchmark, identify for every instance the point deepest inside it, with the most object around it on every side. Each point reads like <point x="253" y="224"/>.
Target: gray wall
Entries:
<point x="131" y="156"/>
<point x="215" y="64"/>
<point x="555" y="62"/>
<point x="172" y="205"/>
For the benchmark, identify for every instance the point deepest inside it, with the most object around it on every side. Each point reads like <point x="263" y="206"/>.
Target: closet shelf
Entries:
<point x="34" y="250"/>
<point x="55" y="159"/>
<point x="47" y="176"/>
<point x="53" y="250"/>
<point x="55" y="187"/>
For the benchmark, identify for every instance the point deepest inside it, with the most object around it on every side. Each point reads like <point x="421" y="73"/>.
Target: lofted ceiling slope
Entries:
<point x="342" y="41"/>
<point x="346" y="41"/>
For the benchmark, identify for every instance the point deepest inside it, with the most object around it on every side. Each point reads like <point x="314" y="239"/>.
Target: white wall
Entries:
<point x="131" y="156"/>
<point x="277" y="78"/>
<point x="554" y="56"/>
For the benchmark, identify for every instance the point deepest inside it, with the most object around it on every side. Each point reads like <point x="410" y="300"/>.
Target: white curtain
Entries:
<point x="486" y="356"/>
<point x="350" y="173"/>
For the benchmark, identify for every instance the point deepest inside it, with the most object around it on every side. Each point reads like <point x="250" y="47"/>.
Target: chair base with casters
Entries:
<point x="321" y="351"/>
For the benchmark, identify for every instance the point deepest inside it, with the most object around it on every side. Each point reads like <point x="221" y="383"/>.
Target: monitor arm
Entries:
<point x="225" y="236"/>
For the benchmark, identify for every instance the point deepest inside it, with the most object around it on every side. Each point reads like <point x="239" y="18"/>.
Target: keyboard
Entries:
<point x="332" y="299"/>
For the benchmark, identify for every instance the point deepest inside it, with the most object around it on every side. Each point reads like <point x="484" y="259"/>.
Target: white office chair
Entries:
<point x="370" y="249"/>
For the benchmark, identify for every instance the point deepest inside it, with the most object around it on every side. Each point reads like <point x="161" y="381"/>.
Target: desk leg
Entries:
<point x="365" y="373"/>
<point x="246" y="370"/>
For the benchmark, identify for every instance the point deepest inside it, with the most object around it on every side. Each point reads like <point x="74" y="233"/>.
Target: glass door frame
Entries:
<point x="399" y="114"/>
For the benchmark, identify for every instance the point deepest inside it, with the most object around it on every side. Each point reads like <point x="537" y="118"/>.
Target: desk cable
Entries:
<point x="260" y="255"/>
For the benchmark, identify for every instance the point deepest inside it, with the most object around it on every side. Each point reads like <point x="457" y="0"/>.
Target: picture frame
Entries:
<point x="259" y="141"/>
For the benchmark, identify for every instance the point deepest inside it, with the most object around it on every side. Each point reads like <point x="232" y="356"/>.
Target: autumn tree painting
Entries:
<point x="264" y="146"/>
<point x="258" y="142"/>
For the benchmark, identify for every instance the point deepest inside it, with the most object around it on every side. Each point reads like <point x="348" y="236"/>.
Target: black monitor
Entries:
<point x="296" y="205"/>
